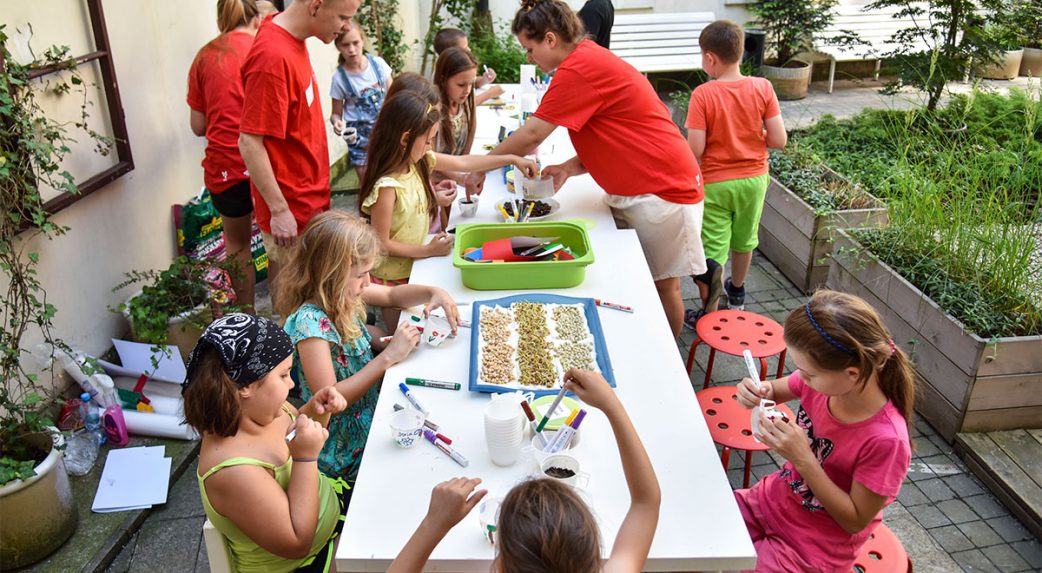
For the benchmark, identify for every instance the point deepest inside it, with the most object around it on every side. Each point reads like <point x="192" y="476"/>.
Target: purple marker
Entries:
<point x="447" y="449"/>
<point x="564" y="435"/>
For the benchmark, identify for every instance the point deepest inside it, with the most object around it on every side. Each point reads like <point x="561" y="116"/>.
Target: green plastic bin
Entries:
<point x="529" y="274"/>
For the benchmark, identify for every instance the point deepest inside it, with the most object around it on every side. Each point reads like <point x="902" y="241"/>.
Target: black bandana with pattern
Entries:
<point x="249" y="347"/>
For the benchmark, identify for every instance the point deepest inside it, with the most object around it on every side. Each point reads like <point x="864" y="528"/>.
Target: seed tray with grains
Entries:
<point x="527" y="342"/>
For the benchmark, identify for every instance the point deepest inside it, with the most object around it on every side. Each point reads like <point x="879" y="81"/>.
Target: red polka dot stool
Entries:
<point x="729" y="424"/>
<point x="731" y="332"/>
<point x="883" y="553"/>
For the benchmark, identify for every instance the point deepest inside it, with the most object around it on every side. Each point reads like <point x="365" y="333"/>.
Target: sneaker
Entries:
<point x="692" y="316"/>
<point x="716" y="285"/>
<point x="735" y="296"/>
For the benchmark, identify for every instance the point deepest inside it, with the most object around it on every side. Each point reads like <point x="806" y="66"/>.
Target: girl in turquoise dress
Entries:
<point x="323" y="292"/>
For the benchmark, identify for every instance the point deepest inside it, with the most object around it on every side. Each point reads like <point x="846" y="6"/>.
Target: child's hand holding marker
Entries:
<point x="591" y="388"/>
<point x="327" y="401"/>
<point x="306" y="439"/>
<point x="405" y="339"/>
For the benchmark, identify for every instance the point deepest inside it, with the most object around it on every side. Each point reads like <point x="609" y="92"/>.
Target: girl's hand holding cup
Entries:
<point x="440" y="245"/>
<point x="308" y="441"/>
<point x="445" y="193"/>
<point x="750" y="392"/>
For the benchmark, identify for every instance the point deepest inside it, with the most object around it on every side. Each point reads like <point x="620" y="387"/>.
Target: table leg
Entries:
<point x="709" y="367"/>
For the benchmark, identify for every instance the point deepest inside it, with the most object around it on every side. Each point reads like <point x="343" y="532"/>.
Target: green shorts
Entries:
<point x="732" y="216"/>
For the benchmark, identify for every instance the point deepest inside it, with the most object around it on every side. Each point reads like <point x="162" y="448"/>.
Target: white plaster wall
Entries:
<point x="127" y="224"/>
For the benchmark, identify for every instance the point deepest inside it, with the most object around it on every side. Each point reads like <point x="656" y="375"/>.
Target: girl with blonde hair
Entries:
<point x="323" y="292"/>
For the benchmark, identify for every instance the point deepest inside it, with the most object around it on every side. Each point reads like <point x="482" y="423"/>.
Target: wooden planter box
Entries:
<point x="966" y="383"/>
<point x="799" y="241"/>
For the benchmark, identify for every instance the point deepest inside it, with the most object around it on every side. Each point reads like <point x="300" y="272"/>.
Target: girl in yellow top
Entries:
<point x="264" y="493"/>
<point x="397" y="194"/>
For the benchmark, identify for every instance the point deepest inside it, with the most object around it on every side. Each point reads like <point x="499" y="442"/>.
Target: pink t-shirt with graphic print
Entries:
<point x="875" y="452"/>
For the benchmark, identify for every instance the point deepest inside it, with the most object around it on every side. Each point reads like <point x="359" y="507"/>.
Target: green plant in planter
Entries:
<point x="1027" y="17"/>
<point x="496" y="48"/>
<point x="380" y="20"/>
<point x="790" y="24"/>
<point x="175" y="292"/>
<point x="799" y="169"/>
<point x="32" y="147"/>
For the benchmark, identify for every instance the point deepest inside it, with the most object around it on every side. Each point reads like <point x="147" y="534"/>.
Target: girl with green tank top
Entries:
<point x="258" y="476"/>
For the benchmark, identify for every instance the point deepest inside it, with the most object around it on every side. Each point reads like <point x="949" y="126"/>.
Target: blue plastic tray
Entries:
<point x="592" y="320"/>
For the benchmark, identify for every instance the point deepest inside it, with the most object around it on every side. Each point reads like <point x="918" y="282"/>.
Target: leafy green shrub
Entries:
<point x="803" y="173"/>
<point x="500" y="51"/>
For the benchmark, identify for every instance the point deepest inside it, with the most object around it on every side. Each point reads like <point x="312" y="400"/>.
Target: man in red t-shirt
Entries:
<point x="283" y="134"/>
<point x="623" y="137"/>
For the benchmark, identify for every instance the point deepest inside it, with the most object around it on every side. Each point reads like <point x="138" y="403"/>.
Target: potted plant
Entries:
<point x="806" y="204"/>
<point x="1005" y="63"/>
<point x="174" y="305"/>
<point x="1028" y="16"/>
<point x="789" y="26"/>
<point x="35" y="498"/>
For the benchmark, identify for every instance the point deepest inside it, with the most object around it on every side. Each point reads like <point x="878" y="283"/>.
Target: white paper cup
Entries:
<point x="405" y="427"/>
<point x="537" y="452"/>
<point x="504" y="429"/>
<point x="564" y="462"/>
<point x="436" y="330"/>
<point x="488" y="516"/>
<point x="350" y="135"/>
<point x="468" y="209"/>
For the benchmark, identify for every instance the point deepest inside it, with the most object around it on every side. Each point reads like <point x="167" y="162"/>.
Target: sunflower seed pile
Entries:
<point x="534" y="358"/>
<point x="497" y="357"/>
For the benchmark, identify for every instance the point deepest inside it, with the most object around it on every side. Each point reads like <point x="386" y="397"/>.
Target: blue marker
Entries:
<point x="412" y="399"/>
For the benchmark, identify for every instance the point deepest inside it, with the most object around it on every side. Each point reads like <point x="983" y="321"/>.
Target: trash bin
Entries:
<point x="754" y="45"/>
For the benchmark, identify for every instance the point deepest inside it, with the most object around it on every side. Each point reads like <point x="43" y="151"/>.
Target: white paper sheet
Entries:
<point x="136" y="358"/>
<point x="133" y="478"/>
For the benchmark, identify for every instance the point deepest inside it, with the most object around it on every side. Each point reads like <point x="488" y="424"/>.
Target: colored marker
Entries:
<point x="426" y="422"/>
<point x="506" y="216"/>
<point x="292" y="434"/>
<point x="426" y="383"/>
<point x="531" y="420"/>
<point x="565" y="434"/>
<point x="412" y="399"/>
<point x="613" y="305"/>
<point x="447" y="449"/>
<point x="750" y="365"/>
<point x="390" y="337"/>
<point x="553" y="406"/>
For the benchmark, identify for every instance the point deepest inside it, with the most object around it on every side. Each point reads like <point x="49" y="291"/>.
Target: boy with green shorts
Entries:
<point x="731" y="122"/>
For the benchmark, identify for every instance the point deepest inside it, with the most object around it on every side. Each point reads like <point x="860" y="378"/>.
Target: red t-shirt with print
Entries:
<point x="621" y="130"/>
<point x="282" y="104"/>
<point x="215" y="90"/>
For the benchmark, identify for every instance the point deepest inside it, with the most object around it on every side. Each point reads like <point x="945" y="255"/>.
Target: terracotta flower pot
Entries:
<point x="1006" y="68"/>
<point x="1031" y="63"/>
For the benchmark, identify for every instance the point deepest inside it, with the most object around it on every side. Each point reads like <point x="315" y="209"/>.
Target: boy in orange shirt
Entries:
<point x="731" y="122"/>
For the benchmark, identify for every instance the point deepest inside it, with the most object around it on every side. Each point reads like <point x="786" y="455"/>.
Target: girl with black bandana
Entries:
<point x="258" y="475"/>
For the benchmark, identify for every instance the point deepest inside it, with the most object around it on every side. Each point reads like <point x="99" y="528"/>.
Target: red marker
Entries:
<point x="612" y="305"/>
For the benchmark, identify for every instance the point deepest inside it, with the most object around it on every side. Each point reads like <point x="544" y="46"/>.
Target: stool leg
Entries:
<point x="748" y="468"/>
<point x="781" y="363"/>
<point x="763" y="369"/>
<point x="709" y="367"/>
<point x="691" y="355"/>
<point x="725" y="457"/>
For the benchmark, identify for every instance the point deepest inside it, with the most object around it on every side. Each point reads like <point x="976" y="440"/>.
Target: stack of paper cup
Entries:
<point x="504" y="429"/>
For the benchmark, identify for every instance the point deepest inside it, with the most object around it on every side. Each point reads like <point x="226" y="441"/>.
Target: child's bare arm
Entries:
<point x="696" y="139"/>
<point x="381" y="215"/>
<point x="477" y="163"/>
<point x="318" y="366"/>
<point x="336" y="117"/>
<point x="451" y="501"/>
<point x="492" y="92"/>
<point x="633" y="541"/>
<point x="776" y="136"/>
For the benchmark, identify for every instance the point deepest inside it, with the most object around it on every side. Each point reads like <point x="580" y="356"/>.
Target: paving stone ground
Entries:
<point x="946" y="519"/>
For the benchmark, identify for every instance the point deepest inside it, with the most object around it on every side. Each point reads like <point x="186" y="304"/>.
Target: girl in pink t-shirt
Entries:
<point x="846" y="452"/>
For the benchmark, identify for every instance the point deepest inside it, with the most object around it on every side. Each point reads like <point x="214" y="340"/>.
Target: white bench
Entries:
<point x="875" y="29"/>
<point x="660" y="42"/>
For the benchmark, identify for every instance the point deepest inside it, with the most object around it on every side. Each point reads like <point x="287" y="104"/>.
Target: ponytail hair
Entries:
<point x="838" y="330"/>
<point x="211" y="398"/>
<point x="234" y="13"/>
<point x="537" y="17"/>
<point x="451" y="62"/>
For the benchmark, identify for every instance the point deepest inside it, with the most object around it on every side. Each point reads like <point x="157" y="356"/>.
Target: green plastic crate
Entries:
<point x="523" y="275"/>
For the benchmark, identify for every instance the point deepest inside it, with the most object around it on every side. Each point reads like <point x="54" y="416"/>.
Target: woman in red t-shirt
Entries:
<point x="215" y="98"/>
<point x="623" y="137"/>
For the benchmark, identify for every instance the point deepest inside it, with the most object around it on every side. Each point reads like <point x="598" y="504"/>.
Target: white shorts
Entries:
<point x="670" y="233"/>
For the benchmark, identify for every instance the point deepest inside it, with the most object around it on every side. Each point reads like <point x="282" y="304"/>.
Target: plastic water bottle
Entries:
<point x="92" y="419"/>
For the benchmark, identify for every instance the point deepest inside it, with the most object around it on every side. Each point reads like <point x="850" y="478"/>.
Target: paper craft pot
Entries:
<point x="405" y="427"/>
<point x="468" y="208"/>
<point x="528" y="274"/>
<point x="559" y="466"/>
<point x="488" y="516"/>
<point x="436" y="331"/>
